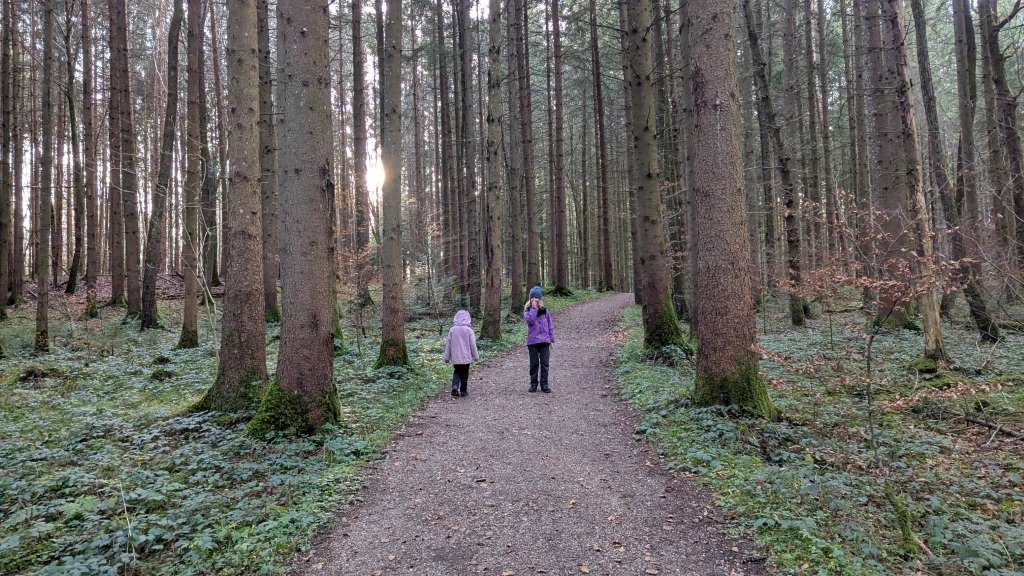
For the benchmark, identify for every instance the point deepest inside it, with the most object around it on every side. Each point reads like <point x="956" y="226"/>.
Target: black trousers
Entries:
<point x="460" y="377"/>
<point x="539" y="355"/>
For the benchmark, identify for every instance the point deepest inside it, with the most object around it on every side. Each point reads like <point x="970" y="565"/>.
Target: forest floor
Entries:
<point x="814" y="489"/>
<point x="507" y="482"/>
<point x="105" y="470"/>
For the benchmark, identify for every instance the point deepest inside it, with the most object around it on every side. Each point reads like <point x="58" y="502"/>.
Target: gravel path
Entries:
<point x="505" y="482"/>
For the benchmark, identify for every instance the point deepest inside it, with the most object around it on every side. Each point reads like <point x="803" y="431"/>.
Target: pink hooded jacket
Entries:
<point x="461" y="345"/>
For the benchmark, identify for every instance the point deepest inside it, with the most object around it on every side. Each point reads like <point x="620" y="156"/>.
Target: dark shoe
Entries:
<point x="533" y="387"/>
<point x="546" y="390"/>
<point x="455" y="393"/>
<point x="464" y="392"/>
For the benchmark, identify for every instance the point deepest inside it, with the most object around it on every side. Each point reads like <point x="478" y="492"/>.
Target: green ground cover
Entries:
<point x="103" y="469"/>
<point x="824" y="488"/>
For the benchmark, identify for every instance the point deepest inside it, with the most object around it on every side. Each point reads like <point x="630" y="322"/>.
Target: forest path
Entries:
<point x="508" y="482"/>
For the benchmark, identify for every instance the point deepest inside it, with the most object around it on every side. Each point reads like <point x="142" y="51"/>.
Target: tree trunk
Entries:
<point x="607" y="274"/>
<point x="268" y="168"/>
<point x="242" y="369"/>
<point x="222" y="143"/>
<point x="790" y="198"/>
<point x="155" y="237"/>
<point x="362" y="195"/>
<point x="928" y="301"/>
<point x="966" y="208"/>
<point x="494" y="202"/>
<point x="834" y="244"/>
<point x="631" y="178"/>
<point x="7" y="185"/>
<point x="92" y="256"/>
<point x="558" y="215"/>
<point x="42" y="340"/>
<point x="813" y="191"/>
<point x="784" y="159"/>
<point x="531" y="216"/>
<point x="513" y="162"/>
<point x="115" y="226"/>
<point x="129" y="162"/>
<point x="17" y="268"/>
<point x="392" y="343"/>
<point x="471" y="228"/>
<point x="303" y="398"/>
<point x="190" y="235"/>
<point x="660" y="326"/>
<point x="727" y="371"/>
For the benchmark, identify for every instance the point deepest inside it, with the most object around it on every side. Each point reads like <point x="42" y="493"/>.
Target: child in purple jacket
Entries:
<point x="460" y="350"/>
<point x="540" y="335"/>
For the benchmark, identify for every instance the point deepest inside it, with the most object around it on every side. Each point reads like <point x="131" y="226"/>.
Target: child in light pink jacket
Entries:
<point x="460" y="350"/>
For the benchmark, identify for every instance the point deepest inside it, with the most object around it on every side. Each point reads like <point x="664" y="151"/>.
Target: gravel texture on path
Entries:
<point x="505" y="482"/>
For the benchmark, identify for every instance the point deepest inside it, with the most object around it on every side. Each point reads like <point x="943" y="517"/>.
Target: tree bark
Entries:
<point x="115" y="227"/>
<point x="268" y="169"/>
<point x="558" y="215"/>
<point x="813" y="192"/>
<point x="727" y="371"/>
<point x="966" y="208"/>
<point x="531" y="216"/>
<point x="660" y="325"/>
<point x="494" y="202"/>
<point x="129" y="160"/>
<point x="190" y="234"/>
<point x="471" y="228"/>
<point x="303" y="398"/>
<point x="155" y="237"/>
<point x="42" y="338"/>
<point x="928" y="301"/>
<point x="92" y="257"/>
<point x="242" y="369"/>
<point x="392" y="343"/>
<point x="7" y="185"/>
<point x="362" y="195"/>
<point x="607" y="273"/>
<point x="213" y="230"/>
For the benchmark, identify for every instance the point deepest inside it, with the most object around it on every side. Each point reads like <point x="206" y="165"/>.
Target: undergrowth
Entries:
<point x="105" y="471"/>
<point x="812" y="488"/>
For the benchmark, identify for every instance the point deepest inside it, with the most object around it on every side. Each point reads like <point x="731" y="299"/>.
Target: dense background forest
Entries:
<point x="232" y="235"/>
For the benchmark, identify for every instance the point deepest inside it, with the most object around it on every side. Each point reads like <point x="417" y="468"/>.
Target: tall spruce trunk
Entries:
<point x="607" y="272"/>
<point x="303" y="398"/>
<point x="359" y="132"/>
<point x="513" y="162"/>
<point x="115" y="226"/>
<point x="784" y="161"/>
<point x="988" y="330"/>
<point x="268" y="169"/>
<point x="813" y="192"/>
<point x="791" y="200"/>
<point x="42" y="338"/>
<point x="129" y="160"/>
<point x="7" y="185"/>
<point x="471" y="228"/>
<point x="559" y="235"/>
<point x="660" y="325"/>
<point x="77" y="178"/>
<point x="191" y="250"/>
<point x="92" y="213"/>
<point x="727" y="371"/>
<point x="242" y="366"/>
<point x="966" y="208"/>
<point x="631" y="179"/>
<point x="212" y="235"/>
<point x="531" y="216"/>
<point x="17" y="267"/>
<point x="155" y="237"/>
<point x="493" y="205"/>
<point x="392" y="338"/>
<point x="928" y="300"/>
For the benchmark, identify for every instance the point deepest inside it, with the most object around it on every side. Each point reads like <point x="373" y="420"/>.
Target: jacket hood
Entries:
<point x="462" y="318"/>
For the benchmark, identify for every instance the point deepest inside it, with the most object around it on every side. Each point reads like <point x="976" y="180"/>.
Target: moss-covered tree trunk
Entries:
<point x="660" y="325"/>
<point x="727" y="371"/>
<point x="303" y="397"/>
<point x="494" y="203"/>
<point x="392" y="337"/>
<point x="242" y="369"/>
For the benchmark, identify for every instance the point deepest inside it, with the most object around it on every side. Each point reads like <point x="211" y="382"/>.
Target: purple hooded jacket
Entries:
<point x="539" y="329"/>
<point x="461" y="345"/>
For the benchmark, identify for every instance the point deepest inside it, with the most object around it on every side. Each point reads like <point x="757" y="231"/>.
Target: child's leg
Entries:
<point x="534" y="364"/>
<point x="456" y="382"/>
<point x="463" y="370"/>
<point x="544" y="354"/>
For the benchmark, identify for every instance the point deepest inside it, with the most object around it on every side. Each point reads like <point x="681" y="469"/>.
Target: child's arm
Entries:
<point x="476" y="353"/>
<point x="530" y="315"/>
<point x="447" y="348"/>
